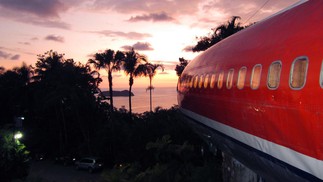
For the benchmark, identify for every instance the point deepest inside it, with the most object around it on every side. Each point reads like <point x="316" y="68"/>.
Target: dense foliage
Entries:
<point x="160" y="147"/>
<point x="64" y="115"/>
<point x="219" y="33"/>
<point x="181" y="66"/>
<point x="14" y="163"/>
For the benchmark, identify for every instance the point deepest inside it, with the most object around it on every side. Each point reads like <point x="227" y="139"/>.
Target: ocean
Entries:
<point x="164" y="97"/>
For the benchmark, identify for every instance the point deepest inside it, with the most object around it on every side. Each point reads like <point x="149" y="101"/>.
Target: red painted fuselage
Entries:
<point x="263" y="87"/>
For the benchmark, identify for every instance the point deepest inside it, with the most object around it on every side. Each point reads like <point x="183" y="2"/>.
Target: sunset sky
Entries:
<point x="163" y="30"/>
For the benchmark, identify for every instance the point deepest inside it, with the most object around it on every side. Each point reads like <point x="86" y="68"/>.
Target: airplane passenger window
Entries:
<point x="230" y="78"/>
<point x="255" y="77"/>
<point x="196" y="79"/>
<point x="242" y="77"/>
<point x="181" y="81"/>
<point x="274" y="75"/>
<point x="321" y="75"/>
<point x="191" y="81"/>
<point x="298" y="73"/>
<point x="206" y="81"/>
<point x="220" y="79"/>
<point x="187" y="82"/>
<point x="212" y="82"/>
<point x="201" y="81"/>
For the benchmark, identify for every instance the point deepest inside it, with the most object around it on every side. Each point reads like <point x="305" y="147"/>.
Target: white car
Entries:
<point x="89" y="163"/>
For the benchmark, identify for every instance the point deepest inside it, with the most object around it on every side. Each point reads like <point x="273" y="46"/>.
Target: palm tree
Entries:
<point x="134" y="65"/>
<point x="219" y="33"/>
<point x="151" y="73"/>
<point x="225" y="30"/>
<point x="110" y="61"/>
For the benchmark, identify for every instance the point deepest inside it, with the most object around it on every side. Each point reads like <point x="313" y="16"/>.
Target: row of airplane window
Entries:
<point x="211" y="80"/>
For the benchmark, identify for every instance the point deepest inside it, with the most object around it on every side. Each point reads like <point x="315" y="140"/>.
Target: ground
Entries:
<point x="47" y="171"/>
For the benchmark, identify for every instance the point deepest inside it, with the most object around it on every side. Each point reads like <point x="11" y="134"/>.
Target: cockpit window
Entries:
<point x="298" y="73"/>
<point x="255" y="77"/>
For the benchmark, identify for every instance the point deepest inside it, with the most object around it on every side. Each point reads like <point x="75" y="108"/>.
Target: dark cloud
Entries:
<point x="56" y="38"/>
<point x="50" y="23"/>
<point x="24" y="43"/>
<point x="188" y="49"/>
<point x="9" y="9"/>
<point x="140" y="46"/>
<point x="6" y="55"/>
<point x="155" y="17"/>
<point x="143" y="46"/>
<point x="129" y="35"/>
<point x="15" y="57"/>
<point x="127" y="47"/>
<point x="41" y="8"/>
<point x="200" y="13"/>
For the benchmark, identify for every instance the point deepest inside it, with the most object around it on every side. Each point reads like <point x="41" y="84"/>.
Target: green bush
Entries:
<point x="13" y="157"/>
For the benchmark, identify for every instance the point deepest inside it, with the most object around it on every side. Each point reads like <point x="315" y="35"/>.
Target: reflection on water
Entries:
<point x="165" y="97"/>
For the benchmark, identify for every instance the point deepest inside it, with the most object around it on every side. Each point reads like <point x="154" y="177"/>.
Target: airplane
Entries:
<point x="258" y="94"/>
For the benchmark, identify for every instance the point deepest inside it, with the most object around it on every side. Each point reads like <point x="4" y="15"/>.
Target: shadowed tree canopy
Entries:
<point x="14" y="92"/>
<point x="219" y="33"/>
<point x="181" y="66"/>
<point x="65" y="102"/>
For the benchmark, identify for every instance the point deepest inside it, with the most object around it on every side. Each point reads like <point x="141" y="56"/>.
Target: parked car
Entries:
<point x="89" y="163"/>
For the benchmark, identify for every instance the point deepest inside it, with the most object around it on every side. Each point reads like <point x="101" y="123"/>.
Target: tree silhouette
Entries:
<point x="219" y="33"/>
<point x="151" y="73"/>
<point x="14" y="90"/>
<point x="181" y="66"/>
<point x="134" y="65"/>
<point x="110" y="61"/>
<point x="64" y="101"/>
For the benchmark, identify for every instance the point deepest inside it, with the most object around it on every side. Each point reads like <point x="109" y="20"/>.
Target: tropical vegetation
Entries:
<point x="14" y="157"/>
<point x="219" y="33"/>
<point x="181" y="66"/>
<point x="64" y="115"/>
<point x="152" y="69"/>
<point x="110" y="61"/>
<point x="134" y="65"/>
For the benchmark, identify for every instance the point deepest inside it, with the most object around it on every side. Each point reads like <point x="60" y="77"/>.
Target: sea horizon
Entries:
<point x="164" y="97"/>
